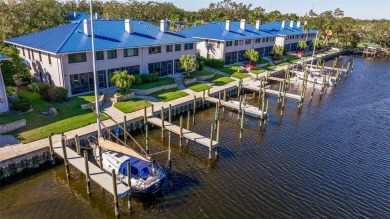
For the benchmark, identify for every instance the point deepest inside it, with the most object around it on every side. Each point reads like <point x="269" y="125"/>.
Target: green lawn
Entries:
<point x="239" y="75"/>
<point x="201" y="73"/>
<point x="283" y="63"/>
<point x="40" y="126"/>
<point x="263" y="61"/>
<point x="270" y="67"/>
<point x="168" y="95"/>
<point x="198" y="86"/>
<point x="257" y="71"/>
<point x="159" y="83"/>
<point x="132" y="105"/>
<point x="230" y="69"/>
<point x="220" y="80"/>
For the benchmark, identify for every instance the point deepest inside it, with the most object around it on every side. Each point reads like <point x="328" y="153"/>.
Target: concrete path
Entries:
<point x="218" y="72"/>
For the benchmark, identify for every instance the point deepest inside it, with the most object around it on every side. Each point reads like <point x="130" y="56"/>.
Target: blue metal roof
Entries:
<point x="216" y="30"/>
<point x="79" y="16"/>
<point x="3" y="57"/>
<point x="109" y="34"/>
<point x="276" y="28"/>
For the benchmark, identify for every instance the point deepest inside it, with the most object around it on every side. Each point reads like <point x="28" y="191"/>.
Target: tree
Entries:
<point x="187" y="62"/>
<point x="302" y="45"/>
<point x="252" y="55"/>
<point x="122" y="80"/>
<point x="14" y="67"/>
<point x="277" y="50"/>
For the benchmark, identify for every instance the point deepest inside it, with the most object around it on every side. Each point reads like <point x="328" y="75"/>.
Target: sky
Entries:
<point x="362" y="9"/>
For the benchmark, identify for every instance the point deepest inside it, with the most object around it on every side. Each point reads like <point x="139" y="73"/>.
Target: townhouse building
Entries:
<point x="230" y="39"/>
<point x="62" y="55"/>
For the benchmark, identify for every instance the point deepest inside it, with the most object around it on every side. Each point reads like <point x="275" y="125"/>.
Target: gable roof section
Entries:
<point x="79" y="16"/>
<point x="275" y="28"/>
<point x="217" y="31"/>
<point x="109" y="34"/>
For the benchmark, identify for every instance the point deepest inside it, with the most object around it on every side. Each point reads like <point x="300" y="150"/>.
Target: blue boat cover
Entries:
<point x="137" y="167"/>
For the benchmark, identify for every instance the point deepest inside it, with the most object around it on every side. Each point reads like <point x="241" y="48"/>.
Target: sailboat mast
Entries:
<point x="95" y="78"/>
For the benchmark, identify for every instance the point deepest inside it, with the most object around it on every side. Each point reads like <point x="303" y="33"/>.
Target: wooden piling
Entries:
<point x="87" y="178"/>
<point x="116" y="204"/>
<point x="194" y="110"/>
<point x="147" y="138"/>
<point x="130" y="193"/>
<point x="188" y="126"/>
<point x="203" y="98"/>
<point x="224" y="94"/>
<point x="242" y="123"/>
<point x="211" y="141"/>
<point x="181" y="131"/>
<point x="217" y="139"/>
<point x="152" y="109"/>
<point x="51" y="150"/>
<point x="312" y="92"/>
<point x="267" y="116"/>
<point x="145" y="116"/>
<point x="77" y="141"/>
<point x="125" y="129"/>
<point x="100" y="157"/>
<point x="162" y="122"/>
<point x="66" y="163"/>
<point x="170" y="113"/>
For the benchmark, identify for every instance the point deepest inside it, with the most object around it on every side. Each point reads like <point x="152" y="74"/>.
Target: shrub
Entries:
<point x="137" y="80"/>
<point x="149" y="78"/>
<point x="22" y="103"/>
<point x="201" y="59"/>
<point x="33" y="87"/>
<point x="122" y="79"/>
<point x="11" y="90"/>
<point x="200" y="65"/>
<point x="58" y="94"/>
<point x="44" y="91"/>
<point x="215" y="63"/>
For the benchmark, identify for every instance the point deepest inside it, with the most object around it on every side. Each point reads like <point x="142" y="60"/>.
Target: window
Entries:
<point x="241" y="42"/>
<point x="272" y="39"/>
<point x="23" y="52"/>
<point x="296" y="36"/>
<point x="154" y="50"/>
<point x="258" y="40"/>
<point x="48" y="57"/>
<point x="177" y="47"/>
<point x="236" y="42"/>
<point x="229" y="43"/>
<point x="40" y="56"/>
<point x="77" y="57"/>
<point x="302" y="35"/>
<point x="131" y="52"/>
<point x="28" y="52"/>
<point x="99" y="55"/>
<point x="263" y="40"/>
<point x="218" y="44"/>
<point x="188" y="46"/>
<point x="32" y="54"/>
<point x="267" y="39"/>
<point x="111" y="54"/>
<point x="248" y="41"/>
<point x="169" y="48"/>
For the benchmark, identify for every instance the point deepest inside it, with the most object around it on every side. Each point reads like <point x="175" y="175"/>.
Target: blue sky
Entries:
<point x="363" y="9"/>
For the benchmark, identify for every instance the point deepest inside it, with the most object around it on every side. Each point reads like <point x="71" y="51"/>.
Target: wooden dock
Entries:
<point x="186" y="133"/>
<point x="247" y="108"/>
<point x="325" y="67"/>
<point x="276" y="79"/>
<point x="253" y="87"/>
<point x="102" y="178"/>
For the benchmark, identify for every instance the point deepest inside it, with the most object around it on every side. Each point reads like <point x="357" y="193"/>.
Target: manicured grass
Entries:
<point x="230" y="69"/>
<point x="168" y="95"/>
<point x="257" y="71"/>
<point x="263" y="61"/>
<point x="239" y="75"/>
<point x="159" y="83"/>
<point x="270" y="67"/>
<point x="282" y="64"/>
<point x="220" y="80"/>
<point x="132" y="105"/>
<point x="201" y="73"/>
<point x="39" y="126"/>
<point x="198" y="86"/>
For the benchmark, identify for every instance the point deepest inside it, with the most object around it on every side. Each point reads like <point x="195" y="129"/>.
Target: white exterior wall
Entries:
<point x="279" y="40"/>
<point x="215" y="52"/>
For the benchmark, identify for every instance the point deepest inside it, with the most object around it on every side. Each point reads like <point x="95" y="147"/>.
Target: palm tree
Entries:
<point x="252" y="55"/>
<point x="302" y="45"/>
<point x="187" y="62"/>
<point x="277" y="50"/>
<point x="122" y="80"/>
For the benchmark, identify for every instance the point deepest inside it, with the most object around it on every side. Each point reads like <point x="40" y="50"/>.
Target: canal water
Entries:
<point x="330" y="160"/>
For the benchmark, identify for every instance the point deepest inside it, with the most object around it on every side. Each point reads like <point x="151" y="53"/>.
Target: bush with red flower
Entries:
<point x="300" y="53"/>
<point x="249" y="65"/>
<point x="276" y="59"/>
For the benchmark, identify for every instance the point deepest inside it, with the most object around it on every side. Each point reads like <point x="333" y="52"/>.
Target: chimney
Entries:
<point x="227" y="27"/>
<point x="291" y="24"/>
<point x="258" y="23"/>
<point x="163" y="25"/>
<point x="305" y="23"/>
<point x="243" y="24"/>
<point x="87" y="27"/>
<point x="283" y="22"/>
<point x="299" y="24"/>
<point x="96" y="16"/>
<point x="129" y="25"/>
<point x="75" y="14"/>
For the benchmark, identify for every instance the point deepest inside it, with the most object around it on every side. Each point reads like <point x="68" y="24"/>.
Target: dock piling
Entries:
<point x="242" y="123"/>
<point x="181" y="131"/>
<point x="147" y="138"/>
<point x="217" y="139"/>
<point x="87" y="178"/>
<point x="162" y="123"/>
<point x="170" y="113"/>
<point x="117" y="212"/>
<point x="66" y="163"/>
<point x="194" y="110"/>
<point x="130" y="195"/>
<point x="77" y="141"/>
<point x="51" y="150"/>
<point x="124" y="128"/>
<point x="188" y="126"/>
<point x="211" y="141"/>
